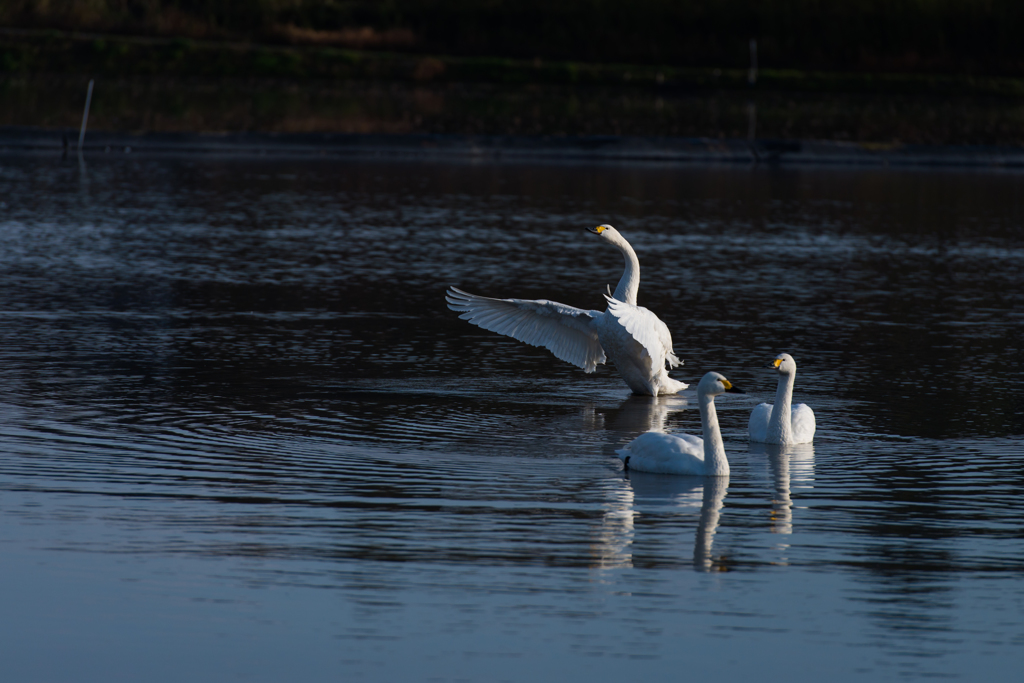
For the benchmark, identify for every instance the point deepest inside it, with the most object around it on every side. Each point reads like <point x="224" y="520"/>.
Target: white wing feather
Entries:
<point x="803" y="423"/>
<point x="647" y="329"/>
<point x="757" y="428"/>
<point x="665" y="454"/>
<point x="563" y="330"/>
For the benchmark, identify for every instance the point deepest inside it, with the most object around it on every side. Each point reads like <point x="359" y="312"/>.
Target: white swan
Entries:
<point x="636" y="340"/>
<point x="782" y="423"/>
<point x="685" y="454"/>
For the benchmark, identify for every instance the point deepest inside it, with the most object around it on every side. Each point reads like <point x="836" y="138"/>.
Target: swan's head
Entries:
<point x="715" y="383"/>
<point x="607" y="233"/>
<point x="784" y="364"/>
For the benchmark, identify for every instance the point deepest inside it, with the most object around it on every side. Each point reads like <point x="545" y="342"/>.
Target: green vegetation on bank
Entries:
<point x="964" y="37"/>
<point x="54" y="52"/>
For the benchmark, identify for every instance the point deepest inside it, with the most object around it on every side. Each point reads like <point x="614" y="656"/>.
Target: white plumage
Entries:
<point x="685" y="454"/>
<point x="782" y="423"/>
<point x="636" y="340"/>
<point x="647" y="329"/>
<point x="567" y="332"/>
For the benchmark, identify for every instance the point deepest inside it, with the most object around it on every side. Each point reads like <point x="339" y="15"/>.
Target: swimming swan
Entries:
<point x="685" y="454"/>
<point x="781" y="424"/>
<point x="636" y="340"/>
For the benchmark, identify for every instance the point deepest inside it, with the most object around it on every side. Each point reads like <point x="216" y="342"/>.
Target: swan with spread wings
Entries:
<point x="634" y="338"/>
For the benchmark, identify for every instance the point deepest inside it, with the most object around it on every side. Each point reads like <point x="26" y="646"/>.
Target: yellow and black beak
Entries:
<point x="774" y="365"/>
<point x="730" y="389"/>
<point x="597" y="231"/>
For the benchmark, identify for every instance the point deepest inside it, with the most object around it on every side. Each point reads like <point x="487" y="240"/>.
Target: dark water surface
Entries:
<point x="242" y="438"/>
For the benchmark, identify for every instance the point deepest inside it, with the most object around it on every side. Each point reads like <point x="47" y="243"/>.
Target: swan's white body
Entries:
<point x="636" y="340"/>
<point x="782" y="423"/>
<point x="685" y="454"/>
<point x="640" y="346"/>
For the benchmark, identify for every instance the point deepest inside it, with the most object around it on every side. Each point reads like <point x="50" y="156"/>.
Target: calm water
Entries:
<point x="242" y="438"/>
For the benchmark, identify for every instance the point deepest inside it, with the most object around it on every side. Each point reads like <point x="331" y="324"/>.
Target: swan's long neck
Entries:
<point x="780" y="429"/>
<point x="630" y="282"/>
<point x="715" y="461"/>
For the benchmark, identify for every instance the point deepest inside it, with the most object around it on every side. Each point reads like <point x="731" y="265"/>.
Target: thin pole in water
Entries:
<point x="751" y="105"/>
<point x="752" y="73"/>
<point x="85" y="116"/>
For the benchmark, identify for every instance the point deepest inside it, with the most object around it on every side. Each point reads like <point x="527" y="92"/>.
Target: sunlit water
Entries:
<point x="242" y="438"/>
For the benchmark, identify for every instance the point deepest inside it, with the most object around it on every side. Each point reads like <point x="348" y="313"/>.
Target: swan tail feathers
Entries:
<point x="671" y="386"/>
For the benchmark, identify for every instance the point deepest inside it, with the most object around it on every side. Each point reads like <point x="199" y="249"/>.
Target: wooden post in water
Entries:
<point x="85" y="117"/>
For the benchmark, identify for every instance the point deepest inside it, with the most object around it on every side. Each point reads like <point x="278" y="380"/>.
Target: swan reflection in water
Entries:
<point x="661" y="494"/>
<point x="634" y="491"/>
<point x="789" y="467"/>
<point x="636" y="415"/>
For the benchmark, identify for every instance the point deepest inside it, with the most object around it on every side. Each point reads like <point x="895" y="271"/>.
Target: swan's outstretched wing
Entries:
<point x="647" y="328"/>
<point x="563" y="330"/>
<point x="757" y="428"/>
<point x="803" y="423"/>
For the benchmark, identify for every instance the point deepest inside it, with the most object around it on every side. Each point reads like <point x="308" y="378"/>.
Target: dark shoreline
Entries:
<point x="23" y="140"/>
<point x="175" y="85"/>
<point x="33" y="52"/>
